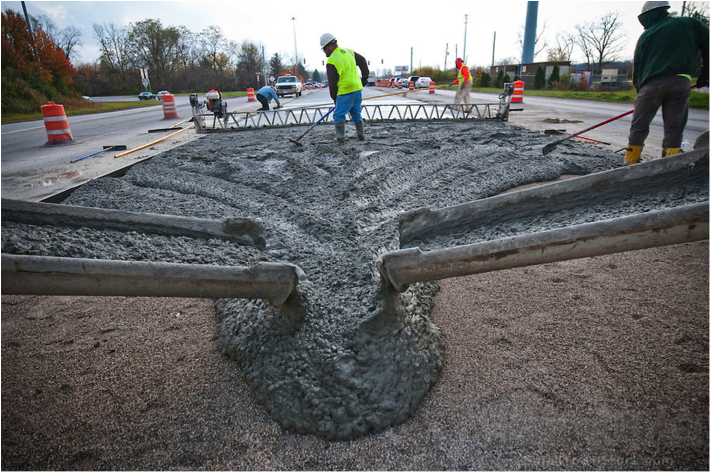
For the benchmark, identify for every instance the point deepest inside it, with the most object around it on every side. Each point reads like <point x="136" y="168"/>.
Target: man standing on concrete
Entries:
<point x="464" y="79"/>
<point x="265" y="95"/>
<point x="665" y="60"/>
<point x="344" y="84"/>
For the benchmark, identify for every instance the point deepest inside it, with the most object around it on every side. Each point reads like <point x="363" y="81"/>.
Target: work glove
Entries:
<point x="702" y="81"/>
<point x="364" y="81"/>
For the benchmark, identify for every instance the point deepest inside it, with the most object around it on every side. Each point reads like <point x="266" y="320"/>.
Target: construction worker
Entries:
<point x="464" y="79"/>
<point x="665" y="59"/>
<point x="265" y="95"/>
<point x="344" y="84"/>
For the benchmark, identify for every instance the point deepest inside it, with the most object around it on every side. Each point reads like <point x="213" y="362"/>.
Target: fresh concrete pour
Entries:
<point x="347" y="356"/>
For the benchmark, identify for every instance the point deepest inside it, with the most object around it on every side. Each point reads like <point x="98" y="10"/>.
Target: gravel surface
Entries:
<point x="605" y="369"/>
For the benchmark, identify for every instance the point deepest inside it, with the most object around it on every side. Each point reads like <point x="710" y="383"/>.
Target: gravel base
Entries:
<point x="605" y="369"/>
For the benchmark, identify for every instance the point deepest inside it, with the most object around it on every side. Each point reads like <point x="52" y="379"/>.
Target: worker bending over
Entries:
<point x="665" y="60"/>
<point x="265" y="95"/>
<point x="344" y="84"/>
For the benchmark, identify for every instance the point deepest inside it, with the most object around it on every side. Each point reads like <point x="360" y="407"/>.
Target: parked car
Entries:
<point x="146" y="96"/>
<point x="423" y="82"/>
<point x="411" y="79"/>
<point x="161" y="93"/>
<point x="401" y="81"/>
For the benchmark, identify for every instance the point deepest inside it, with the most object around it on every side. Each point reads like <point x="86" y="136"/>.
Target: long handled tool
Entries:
<point x="297" y="140"/>
<point x="106" y="148"/>
<point x="551" y="146"/>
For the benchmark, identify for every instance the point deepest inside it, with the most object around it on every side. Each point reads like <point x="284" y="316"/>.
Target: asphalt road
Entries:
<point x="33" y="169"/>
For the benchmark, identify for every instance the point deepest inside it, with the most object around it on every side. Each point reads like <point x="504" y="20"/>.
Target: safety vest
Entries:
<point x="461" y="75"/>
<point x="344" y="62"/>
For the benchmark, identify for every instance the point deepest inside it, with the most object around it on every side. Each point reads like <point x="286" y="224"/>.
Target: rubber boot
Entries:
<point x="359" y="131"/>
<point x="670" y="152"/>
<point x="632" y="154"/>
<point x="341" y="132"/>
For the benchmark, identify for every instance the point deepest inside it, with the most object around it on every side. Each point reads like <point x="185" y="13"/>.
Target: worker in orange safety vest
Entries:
<point x="464" y="79"/>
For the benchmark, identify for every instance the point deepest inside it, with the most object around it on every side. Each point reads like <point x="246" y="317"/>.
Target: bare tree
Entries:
<point x="564" y="48"/>
<point x="695" y="10"/>
<point x="602" y="41"/>
<point x="540" y="44"/>
<point x="112" y="41"/>
<point x="66" y="39"/>
<point x="69" y="39"/>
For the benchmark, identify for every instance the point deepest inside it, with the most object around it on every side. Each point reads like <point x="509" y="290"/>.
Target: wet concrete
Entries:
<point x="346" y="356"/>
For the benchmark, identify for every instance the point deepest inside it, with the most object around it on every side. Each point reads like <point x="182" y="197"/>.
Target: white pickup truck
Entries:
<point x="286" y="85"/>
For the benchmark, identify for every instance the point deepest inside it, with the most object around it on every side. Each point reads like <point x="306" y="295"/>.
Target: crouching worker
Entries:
<point x="265" y="95"/>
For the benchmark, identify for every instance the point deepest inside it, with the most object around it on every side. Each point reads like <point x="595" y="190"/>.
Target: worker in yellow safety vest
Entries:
<point x="464" y="79"/>
<point x="344" y="84"/>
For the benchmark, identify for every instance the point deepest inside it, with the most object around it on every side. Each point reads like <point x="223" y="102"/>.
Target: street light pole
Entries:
<point x="296" y="55"/>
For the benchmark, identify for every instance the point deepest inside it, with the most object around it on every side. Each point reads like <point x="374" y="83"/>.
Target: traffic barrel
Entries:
<point x="250" y="95"/>
<point x="56" y="124"/>
<point x="412" y="85"/>
<point x="517" y="96"/>
<point x="170" y="108"/>
<point x="432" y="87"/>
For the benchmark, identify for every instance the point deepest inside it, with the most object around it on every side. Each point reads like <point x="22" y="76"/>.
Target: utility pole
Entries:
<point x="446" y="53"/>
<point x="264" y="67"/>
<point x="410" y="60"/>
<point x="493" y="50"/>
<point x="464" y="52"/>
<point x="296" y="55"/>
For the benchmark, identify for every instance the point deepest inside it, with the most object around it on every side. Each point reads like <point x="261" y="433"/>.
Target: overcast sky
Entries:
<point x="399" y="33"/>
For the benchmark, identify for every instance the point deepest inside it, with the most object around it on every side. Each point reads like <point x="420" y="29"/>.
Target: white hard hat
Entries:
<point x="653" y="5"/>
<point x="326" y="38"/>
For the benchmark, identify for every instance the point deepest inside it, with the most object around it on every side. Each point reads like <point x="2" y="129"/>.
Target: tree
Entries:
<point x="275" y="65"/>
<point x="156" y="48"/>
<point x="555" y="76"/>
<point x="34" y="69"/>
<point x="67" y="39"/>
<point x="249" y="62"/>
<point x="316" y="76"/>
<point x="499" y="81"/>
<point x="564" y="48"/>
<point x="601" y="41"/>
<point x="691" y="9"/>
<point x="539" y="45"/>
<point x="539" y="82"/>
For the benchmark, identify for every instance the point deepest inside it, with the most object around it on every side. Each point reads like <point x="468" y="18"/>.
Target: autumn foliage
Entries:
<point x="34" y="69"/>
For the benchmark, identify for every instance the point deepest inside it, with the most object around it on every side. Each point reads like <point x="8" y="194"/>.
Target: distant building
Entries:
<point x="527" y="72"/>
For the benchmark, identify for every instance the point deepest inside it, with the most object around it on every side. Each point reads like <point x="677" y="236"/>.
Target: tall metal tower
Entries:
<point x="529" y="36"/>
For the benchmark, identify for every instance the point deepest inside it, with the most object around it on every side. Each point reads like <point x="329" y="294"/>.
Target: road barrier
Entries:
<point x="251" y="97"/>
<point x="170" y="109"/>
<point x="517" y="96"/>
<point x="432" y="87"/>
<point x="56" y="124"/>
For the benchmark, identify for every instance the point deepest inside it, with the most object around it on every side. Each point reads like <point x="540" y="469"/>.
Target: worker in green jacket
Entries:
<point x="665" y="60"/>
<point x="345" y="85"/>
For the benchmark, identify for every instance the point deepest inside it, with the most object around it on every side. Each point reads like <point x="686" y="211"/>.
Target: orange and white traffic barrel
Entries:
<point x="250" y="95"/>
<point x="517" y="96"/>
<point x="412" y="85"/>
<point x="432" y="87"/>
<point x="56" y="124"/>
<point x="170" y="108"/>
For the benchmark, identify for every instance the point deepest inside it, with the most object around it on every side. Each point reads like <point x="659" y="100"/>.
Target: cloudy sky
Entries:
<point x="398" y="33"/>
